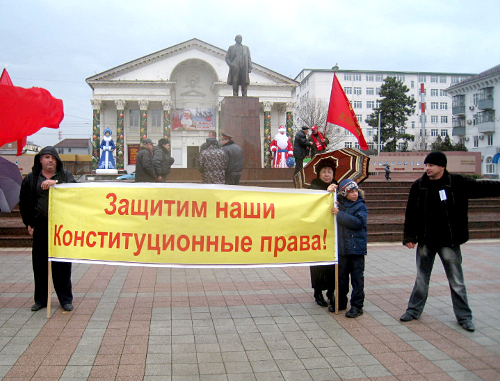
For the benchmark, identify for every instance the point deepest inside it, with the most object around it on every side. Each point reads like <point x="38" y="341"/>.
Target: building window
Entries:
<point x="359" y="117"/>
<point x="356" y="145"/>
<point x="455" y="79"/>
<point x="347" y="77"/>
<point x="370" y="132"/>
<point x="413" y="124"/>
<point x="348" y="144"/>
<point x="489" y="166"/>
<point x="476" y="141"/>
<point x="434" y="92"/>
<point x="422" y="79"/>
<point x="156" y="118"/>
<point x="356" y="77"/>
<point x="434" y="105"/>
<point x="412" y="84"/>
<point x="379" y="78"/>
<point x="434" y="132"/>
<point x="357" y="104"/>
<point x="434" y="79"/>
<point x="444" y="119"/>
<point x="377" y="91"/>
<point x="442" y="93"/>
<point x="444" y="133"/>
<point x="442" y="79"/>
<point x="348" y="90"/>
<point x="402" y="130"/>
<point x="401" y="147"/>
<point x="357" y="91"/>
<point x="134" y="118"/>
<point x="378" y="102"/>
<point x="347" y="133"/>
<point x="400" y="77"/>
<point x="370" y="104"/>
<point x="434" y="119"/>
<point x="443" y="106"/>
<point x="69" y="150"/>
<point x="370" y="91"/>
<point x="369" y="77"/>
<point x="490" y="139"/>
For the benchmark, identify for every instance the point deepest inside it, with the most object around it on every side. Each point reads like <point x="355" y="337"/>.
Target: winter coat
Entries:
<point x="162" y="161"/>
<point x="144" y="169"/>
<point x="234" y="157"/>
<point x="300" y="145"/>
<point x="436" y="222"/>
<point x="33" y="202"/>
<point x="352" y="221"/>
<point x="211" y="164"/>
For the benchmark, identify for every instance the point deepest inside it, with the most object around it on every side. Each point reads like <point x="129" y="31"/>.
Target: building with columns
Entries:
<point x="177" y="93"/>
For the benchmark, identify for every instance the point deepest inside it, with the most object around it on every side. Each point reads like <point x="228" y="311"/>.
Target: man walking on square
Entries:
<point x="234" y="155"/>
<point x="436" y="221"/>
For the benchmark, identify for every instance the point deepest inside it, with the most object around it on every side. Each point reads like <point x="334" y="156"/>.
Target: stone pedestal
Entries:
<point x="240" y="118"/>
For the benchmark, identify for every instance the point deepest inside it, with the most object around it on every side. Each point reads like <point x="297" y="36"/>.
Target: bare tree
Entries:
<point x="313" y="112"/>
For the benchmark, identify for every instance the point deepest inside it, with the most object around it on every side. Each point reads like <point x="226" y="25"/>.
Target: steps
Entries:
<point x="386" y="202"/>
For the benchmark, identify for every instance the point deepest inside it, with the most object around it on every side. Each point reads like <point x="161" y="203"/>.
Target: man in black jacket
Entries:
<point x="436" y="220"/>
<point x="144" y="168"/>
<point x="301" y="146"/>
<point x="234" y="155"/>
<point x="47" y="171"/>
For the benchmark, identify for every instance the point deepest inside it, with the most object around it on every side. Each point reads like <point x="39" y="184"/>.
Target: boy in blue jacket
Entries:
<point x="352" y="217"/>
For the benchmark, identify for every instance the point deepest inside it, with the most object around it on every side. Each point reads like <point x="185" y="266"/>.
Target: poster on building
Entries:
<point x="190" y="225"/>
<point x="132" y="153"/>
<point x="193" y="119"/>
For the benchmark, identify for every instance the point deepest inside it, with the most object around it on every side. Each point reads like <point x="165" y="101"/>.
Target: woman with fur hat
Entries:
<point x="352" y="217"/>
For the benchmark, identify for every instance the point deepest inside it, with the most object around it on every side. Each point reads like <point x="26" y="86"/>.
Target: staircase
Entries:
<point x="386" y="202"/>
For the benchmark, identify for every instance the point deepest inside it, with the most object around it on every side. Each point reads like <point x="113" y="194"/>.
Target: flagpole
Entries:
<point x="379" y="125"/>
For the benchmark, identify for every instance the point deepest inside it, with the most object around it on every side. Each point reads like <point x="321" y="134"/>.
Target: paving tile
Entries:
<point x="249" y="324"/>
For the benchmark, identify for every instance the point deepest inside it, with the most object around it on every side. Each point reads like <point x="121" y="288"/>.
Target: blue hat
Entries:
<point x="346" y="186"/>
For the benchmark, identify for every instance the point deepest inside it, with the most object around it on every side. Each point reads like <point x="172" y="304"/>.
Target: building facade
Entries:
<point x="474" y="105"/>
<point x="362" y="88"/>
<point x="177" y="93"/>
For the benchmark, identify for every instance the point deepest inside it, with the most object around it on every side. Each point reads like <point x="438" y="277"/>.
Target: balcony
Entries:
<point x="486" y="127"/>
<point x="458" y="110"/>
<point x="458" y="131"/>
<point x="485" y="104"/>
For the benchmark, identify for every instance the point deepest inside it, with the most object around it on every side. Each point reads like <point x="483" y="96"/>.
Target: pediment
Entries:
<point x="159" y="66"/>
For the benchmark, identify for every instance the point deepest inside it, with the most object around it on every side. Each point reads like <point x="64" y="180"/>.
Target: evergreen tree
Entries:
<point x="395" y="107"/>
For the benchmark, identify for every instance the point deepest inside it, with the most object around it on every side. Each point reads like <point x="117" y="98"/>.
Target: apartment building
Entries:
<point x="362" y="88"/>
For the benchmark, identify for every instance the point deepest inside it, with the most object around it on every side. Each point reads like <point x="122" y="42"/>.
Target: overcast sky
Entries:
<point x="57" y="44"/>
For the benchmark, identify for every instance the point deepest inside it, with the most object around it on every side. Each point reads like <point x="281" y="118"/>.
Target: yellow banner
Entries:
<point x="184" y="225"/>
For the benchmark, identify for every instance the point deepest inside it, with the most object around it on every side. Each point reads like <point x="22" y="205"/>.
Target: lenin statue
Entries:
<point x="240" y="65"/>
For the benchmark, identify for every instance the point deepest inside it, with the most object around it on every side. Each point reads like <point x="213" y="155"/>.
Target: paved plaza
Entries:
<point x="144" y="323"/>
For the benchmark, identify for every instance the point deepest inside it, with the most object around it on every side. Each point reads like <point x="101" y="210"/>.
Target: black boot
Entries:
<point x="318" y="296"/>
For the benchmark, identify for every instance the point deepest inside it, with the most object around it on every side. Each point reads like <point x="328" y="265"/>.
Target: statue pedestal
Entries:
<point x="240" y="118"/>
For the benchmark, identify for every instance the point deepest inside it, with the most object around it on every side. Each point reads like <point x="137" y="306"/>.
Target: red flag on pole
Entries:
<point x="341" y="114"/>
<point x="24" y="111"/>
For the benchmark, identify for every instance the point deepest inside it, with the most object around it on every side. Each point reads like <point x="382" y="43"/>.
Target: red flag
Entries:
<point x="341" y="114"/>
<point x="24" y="111"/>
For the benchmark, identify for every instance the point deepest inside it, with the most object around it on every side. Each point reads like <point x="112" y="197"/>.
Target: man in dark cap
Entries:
<point x="47" y="171"/>
<point x="162" y="161"/>
<point x="436" y="221"/>
<point x="301" y="146"/>
<point x="234" y="155"/>
<point x="144" y="167"/>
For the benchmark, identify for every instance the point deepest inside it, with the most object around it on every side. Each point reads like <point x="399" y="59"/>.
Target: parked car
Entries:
<point x="128" y="176"/>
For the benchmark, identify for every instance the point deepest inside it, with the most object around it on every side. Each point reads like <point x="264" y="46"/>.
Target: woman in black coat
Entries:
<point x="323" y="277"/>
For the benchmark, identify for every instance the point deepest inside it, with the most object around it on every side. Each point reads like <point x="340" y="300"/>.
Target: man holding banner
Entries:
<point x="47" y="171"/>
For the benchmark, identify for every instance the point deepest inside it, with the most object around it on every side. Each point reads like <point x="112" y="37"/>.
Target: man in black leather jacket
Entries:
<point x="436" y="221"/>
